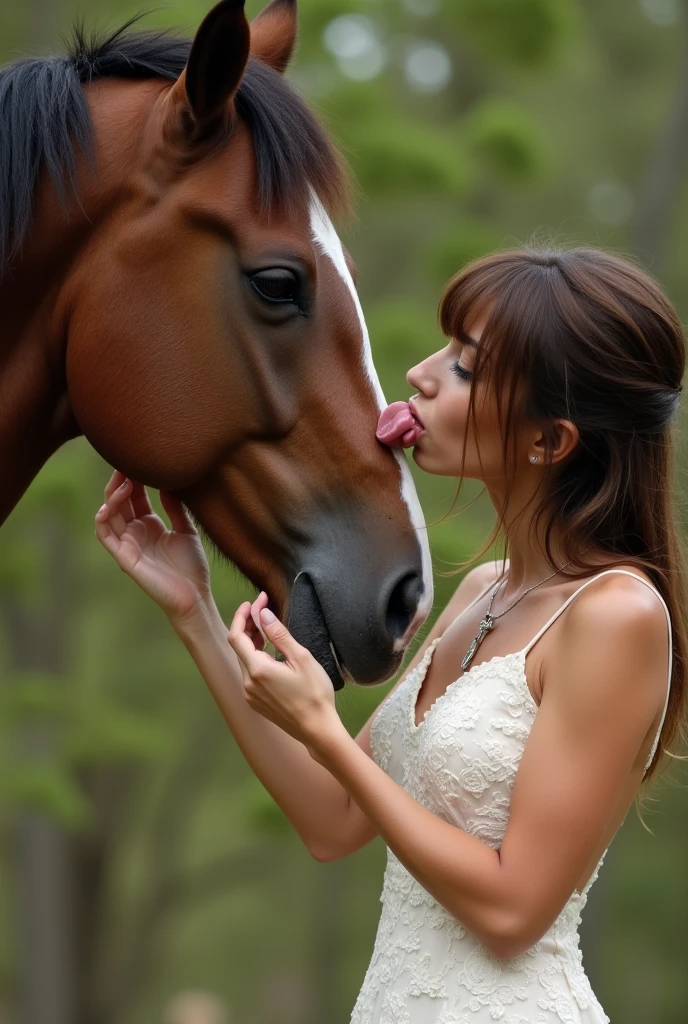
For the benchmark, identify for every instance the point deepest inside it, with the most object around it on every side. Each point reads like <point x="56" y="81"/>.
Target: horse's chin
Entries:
<point x="307" y="625"/>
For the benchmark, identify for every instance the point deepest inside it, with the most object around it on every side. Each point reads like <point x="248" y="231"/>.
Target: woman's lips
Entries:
<point x="398" y="427"/>
<point x="414" y="413"/>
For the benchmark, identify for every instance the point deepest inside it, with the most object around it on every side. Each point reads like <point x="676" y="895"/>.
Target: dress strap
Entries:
<point x="565" y="605"/>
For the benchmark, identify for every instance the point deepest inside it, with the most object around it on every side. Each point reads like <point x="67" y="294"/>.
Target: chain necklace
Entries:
<point x="489" y="621"/>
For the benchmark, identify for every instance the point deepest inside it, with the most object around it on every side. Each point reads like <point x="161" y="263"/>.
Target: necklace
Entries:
<point x="489" y="621"/>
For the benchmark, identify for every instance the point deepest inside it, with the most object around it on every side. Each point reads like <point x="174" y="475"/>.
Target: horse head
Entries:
<point x="216" y="343"/>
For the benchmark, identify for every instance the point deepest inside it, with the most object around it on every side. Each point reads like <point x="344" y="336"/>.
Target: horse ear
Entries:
<point x="273" y="34"/>
<point x="216" y="64"/>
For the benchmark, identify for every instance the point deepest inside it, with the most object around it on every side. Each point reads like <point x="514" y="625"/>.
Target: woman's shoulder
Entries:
<point x="621" y="612"/>
<point x="622" y="588"/>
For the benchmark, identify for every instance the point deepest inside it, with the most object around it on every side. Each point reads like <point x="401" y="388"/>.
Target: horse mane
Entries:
<point x="44" y="119"/>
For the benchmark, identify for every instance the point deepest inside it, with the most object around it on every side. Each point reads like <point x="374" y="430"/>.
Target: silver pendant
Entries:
<point x="485" y="626"/>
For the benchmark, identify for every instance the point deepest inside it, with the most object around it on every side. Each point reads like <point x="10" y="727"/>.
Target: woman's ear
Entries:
<point x="565" y="439"/>
<point x="273" y="34"/>
<point x="216" y="65"/>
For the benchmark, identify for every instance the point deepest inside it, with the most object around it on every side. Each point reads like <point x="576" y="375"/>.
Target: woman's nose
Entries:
<point x="420" y="379"/>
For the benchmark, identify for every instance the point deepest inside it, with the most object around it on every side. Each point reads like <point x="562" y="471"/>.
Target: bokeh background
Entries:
<point x="145" y="878"/>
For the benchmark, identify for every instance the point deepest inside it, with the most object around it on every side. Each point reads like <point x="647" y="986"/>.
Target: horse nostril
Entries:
<point x="403" y="604"/>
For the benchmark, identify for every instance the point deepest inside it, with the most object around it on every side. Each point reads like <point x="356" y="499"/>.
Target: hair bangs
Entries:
<point x="508" y="294"/>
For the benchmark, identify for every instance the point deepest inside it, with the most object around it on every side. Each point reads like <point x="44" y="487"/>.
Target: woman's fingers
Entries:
<point x="253" y="626"/>
<point x="115" y="481"/>
<point x="140" y="501"/>
<point x="120" y="509"/>
<point x="278" y="635"/>
<point x="104" y="532"/>
<point x="239" y="639"/>
<point x="180" y="520"/>
<point x="258" y="605"/>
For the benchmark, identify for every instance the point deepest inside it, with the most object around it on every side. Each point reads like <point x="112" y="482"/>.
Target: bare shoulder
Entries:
<point x="620" y="603"/>
<point x="617" y="630"/>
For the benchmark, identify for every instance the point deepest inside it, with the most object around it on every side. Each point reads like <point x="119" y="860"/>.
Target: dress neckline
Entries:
<point x="422" y="671"/>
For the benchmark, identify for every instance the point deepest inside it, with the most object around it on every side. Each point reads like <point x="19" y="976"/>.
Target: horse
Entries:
<point x="173" y="288"/>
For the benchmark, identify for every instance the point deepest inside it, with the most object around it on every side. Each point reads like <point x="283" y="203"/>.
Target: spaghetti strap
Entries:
<point x="565" y="605"/>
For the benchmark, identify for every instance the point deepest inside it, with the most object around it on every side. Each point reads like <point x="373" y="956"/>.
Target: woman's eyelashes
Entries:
<point x="460" y="372"/>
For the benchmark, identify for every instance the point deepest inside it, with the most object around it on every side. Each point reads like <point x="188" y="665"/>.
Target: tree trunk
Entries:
<point x="37" y="640"/>
<point x="331" y="883"/>
<point x="665" y="171"/>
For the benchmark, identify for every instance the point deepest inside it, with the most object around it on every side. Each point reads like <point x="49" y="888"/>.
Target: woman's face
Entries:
<point x="443" y="382"/>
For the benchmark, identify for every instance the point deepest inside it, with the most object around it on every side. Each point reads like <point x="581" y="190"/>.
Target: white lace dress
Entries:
<point x="461" y="763"/>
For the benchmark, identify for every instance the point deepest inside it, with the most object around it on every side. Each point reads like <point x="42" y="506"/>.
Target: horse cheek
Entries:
<point x="127" y="391"/>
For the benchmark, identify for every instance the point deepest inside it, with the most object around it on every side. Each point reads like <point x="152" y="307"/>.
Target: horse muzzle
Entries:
<point x="357" y="601"/>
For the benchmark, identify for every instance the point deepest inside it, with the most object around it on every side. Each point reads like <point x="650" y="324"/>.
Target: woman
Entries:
<point x="500" y="767"/>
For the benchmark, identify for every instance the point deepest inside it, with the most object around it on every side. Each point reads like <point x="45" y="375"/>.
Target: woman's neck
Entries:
<point x="528" y="563"/>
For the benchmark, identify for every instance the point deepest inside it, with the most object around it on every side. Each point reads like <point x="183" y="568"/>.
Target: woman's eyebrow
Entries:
<point x="466" y="339"/>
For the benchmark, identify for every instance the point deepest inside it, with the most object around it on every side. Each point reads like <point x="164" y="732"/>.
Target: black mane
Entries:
<point x="44" y="118"/>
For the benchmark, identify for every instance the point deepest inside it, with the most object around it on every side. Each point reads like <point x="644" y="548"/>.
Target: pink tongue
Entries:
<point x="397" y="426"/>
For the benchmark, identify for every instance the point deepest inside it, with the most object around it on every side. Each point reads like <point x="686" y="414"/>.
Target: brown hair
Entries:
<point x="582" y="335"/>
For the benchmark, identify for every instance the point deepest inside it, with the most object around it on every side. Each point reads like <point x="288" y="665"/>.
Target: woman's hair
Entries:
<point x="582" y="335"/>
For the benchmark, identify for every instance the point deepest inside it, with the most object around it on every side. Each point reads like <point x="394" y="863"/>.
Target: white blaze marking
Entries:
<point x="330" y="244"/>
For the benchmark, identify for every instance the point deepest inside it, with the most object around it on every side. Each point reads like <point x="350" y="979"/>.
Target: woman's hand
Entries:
<point x="169" y="565"/>
<point x="296" y="694"/>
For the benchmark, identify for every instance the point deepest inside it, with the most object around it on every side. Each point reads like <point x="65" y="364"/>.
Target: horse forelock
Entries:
<point x="44" y="121"/>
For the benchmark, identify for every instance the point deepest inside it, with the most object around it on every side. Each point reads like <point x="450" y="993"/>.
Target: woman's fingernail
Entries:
<point x="124" y="486"/>
<point x="101" y="511"/>
<point x="267" y="618"/>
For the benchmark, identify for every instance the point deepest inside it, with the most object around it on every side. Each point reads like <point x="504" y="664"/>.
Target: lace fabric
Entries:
<point x="461" y="762"/>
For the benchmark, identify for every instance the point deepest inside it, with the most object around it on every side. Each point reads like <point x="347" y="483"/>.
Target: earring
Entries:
<point x="533" y="458"/>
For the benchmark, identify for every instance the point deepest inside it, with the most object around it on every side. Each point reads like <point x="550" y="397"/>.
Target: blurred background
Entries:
<point x="145" y="878"/>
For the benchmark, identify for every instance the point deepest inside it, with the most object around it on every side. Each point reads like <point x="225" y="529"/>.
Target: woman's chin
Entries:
<point x="434" y="465"/>
<point x="425" y="461"/>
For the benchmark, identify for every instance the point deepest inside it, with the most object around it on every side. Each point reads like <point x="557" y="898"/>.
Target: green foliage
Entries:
<point x="258" y="812"/>
<point x="103" y="732"/>
<point x="453" y="248"/>
<point x="315" y="15"/>
<point x="506" y="141"/>
<point x="400" y="158"/>
<point x="45" y="787"/>
<point x="32" y="696"/>
<point x="20" y="568"/>
<point x="526" y="32"/>
<point x="402" y="330"/>
<point x="390" y="152"/>
<point x="34" y="775"/>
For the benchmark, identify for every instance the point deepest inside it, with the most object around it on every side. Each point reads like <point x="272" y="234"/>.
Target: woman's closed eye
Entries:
<point x="460" y="371"/>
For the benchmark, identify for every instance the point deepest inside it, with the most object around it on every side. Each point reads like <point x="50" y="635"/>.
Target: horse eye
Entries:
<point x="277" y="286"/>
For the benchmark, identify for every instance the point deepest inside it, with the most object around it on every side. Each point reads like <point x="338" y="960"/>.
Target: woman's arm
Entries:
<point x="322" y="811"/>
<point x="170" y="566"/>
<point x="584" y="754"/>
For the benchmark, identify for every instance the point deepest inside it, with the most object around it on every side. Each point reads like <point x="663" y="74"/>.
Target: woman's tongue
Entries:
<point x="397" y="427"/>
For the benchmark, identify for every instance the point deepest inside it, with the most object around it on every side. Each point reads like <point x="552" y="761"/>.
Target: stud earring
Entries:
<point x="533" y="458"/>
